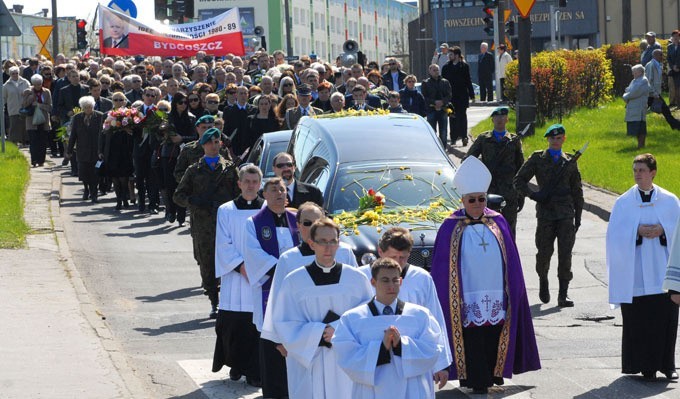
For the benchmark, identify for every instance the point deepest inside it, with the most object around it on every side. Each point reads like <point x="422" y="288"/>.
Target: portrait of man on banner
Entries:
<point x="115" y="31"/>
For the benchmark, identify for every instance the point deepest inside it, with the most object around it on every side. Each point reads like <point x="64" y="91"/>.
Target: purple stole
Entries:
<point x="265" y="229"/>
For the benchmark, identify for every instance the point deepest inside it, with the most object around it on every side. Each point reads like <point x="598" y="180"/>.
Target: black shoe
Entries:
<point x="465" y="142"/>
<point x="180" y="221"/>
<point x="235" y="375"/>
<point x="254" y="382"/>
<point x="649" y="376"/>
<point x="141" y="208"/>
<point x="126" y="204"/>
<point x="671" y="375"/>
<point x="118" y="206"/>
<point x="543" y="290"/>
<point x="86" y="195"/>
<point x="480" y="391"/>
<point x="170" y="217"/>
<point x="563" y="300"/>
<point x="94" y="199"/>
<point x="153" y="211"/>
<point x="213" y="313"/>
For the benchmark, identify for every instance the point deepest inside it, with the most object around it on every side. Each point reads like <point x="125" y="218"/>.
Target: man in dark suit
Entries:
<point x="457" y="72"/>
<point x="32" y="69"/>
<point x="236" y="119"/>
<point x="359" y="99"/>
<point x="293" y="115"/>
<point x="137" y="92"/>
<point x="101" y="104"/>
<point x="394" y="78"/>
<point x="486" y="66"/>
<point x="69" y="96"/>
<point x="298" y="192"/>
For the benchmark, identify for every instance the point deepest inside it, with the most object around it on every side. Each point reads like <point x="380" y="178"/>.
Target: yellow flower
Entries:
<point x="439" y="172"/>
<point x="408" y="177"/>
<point x="346" y="233"/>
<point x="378" y="229"/>
<point x="356" y="232"/>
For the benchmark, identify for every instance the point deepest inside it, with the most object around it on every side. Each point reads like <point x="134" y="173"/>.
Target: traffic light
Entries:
<point x="81" y="34"/>
<point x="510" y="28"/>
<point x="488" y="21"/>
<point x="562" y="3"/>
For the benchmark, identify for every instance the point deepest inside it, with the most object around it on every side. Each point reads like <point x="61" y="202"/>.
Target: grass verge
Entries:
<point x="13" y="180"/>
<point x="607" y="162"/>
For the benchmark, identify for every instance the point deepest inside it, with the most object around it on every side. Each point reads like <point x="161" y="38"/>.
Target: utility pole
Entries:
<point x="289" y="31"/>
<point x="498" y="38"/>
<point x="55" y="31"/>
<point x="526" y="93"/>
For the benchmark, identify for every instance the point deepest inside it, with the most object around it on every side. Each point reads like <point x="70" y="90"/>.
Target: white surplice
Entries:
<point x="288" y="262"/>
<point x="258" y="262"/>
<point x="418" y="287"/>
<point x="357" y="342"/>
<point x="301" y="307"/>
<point x="235" y="292"/>
<point x="636" y="270"/>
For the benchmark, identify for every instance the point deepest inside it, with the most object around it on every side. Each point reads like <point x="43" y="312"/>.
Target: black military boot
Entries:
<point x="543" y="291"/>
<point x="563" y="300"/>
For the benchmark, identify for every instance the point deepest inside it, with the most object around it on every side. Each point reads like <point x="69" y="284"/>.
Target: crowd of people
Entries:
<point x="294" y="313"/>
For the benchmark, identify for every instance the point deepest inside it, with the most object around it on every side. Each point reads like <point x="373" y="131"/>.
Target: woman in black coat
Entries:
<point x="115" y="148"/>
<point x="86" y="128"/>
<point x="264" y="121"/>
<point x="411" y="99"/>
<point x="183" y="130"/>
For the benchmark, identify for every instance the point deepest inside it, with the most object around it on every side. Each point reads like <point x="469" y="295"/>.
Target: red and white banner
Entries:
<point x="121" y="35"/>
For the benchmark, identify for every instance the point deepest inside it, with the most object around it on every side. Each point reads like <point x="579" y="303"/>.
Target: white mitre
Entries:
<point x="472" y="177"/>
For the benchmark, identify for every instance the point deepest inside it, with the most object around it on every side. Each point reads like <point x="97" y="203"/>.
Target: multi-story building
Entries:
<point x="380" y="27"/>
<point x="28" y="45"/>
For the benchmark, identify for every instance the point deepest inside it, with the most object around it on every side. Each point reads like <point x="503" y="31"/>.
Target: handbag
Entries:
<point x="38" y="118"/>
<point x="27" y="111"/>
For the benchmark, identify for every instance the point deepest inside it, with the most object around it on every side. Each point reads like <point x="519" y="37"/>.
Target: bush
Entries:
<point x="622" y="57"/>
<point x="564" y="81"/>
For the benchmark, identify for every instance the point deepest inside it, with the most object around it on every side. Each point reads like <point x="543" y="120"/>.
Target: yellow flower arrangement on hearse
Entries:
<point x="376" y="209"/>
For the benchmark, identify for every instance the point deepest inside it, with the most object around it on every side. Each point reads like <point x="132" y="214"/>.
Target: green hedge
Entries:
<point x="565" y="80"/>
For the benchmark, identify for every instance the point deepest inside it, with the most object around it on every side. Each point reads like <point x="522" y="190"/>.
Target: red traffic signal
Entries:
<point x="81" y="24"/>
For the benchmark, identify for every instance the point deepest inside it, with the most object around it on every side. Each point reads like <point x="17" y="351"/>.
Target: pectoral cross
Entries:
<point x="486" y="301"/>
<point x="483" y="244"/>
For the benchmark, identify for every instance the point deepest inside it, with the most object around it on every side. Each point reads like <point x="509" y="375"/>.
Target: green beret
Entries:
<point x="555" y="130"/>
<point x="500" y="111"/>
<point x="205" y="119"/>
<point x="212" y="133"/>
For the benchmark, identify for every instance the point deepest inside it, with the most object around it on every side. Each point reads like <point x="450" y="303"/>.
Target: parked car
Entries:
<point x="398" y="155"/>
<point x="266" y="148"/>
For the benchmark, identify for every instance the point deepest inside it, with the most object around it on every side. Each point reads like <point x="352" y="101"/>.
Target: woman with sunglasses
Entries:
<point x="115" y="149"/>
<point x="182" y="122"/>
<point x="286" y="86"/>
<point x="195" y="104"/>
<point x="491" y="333"/>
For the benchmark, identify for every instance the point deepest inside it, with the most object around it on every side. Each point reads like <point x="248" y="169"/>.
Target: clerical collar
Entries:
<point x="555" y="155"/>
<point x="498" y="135"/>
<point x="473" y="220"/>
<point x="305" y="249"/>
<point x="242" y="203"/>
<point x="279" y="220"/>
<point x="323" y="268"/>
<point x="646" y="196"/>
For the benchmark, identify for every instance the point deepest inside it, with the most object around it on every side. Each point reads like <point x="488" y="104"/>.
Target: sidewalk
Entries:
<point x="54" y="342"/>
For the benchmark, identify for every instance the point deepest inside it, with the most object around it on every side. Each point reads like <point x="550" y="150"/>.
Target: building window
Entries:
<point x="296" y="15"/>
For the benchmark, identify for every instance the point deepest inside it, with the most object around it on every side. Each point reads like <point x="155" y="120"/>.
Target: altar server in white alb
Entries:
<point x="269" y="233"/>
<point x="388" y="347"/>
<point x="237" y="338"/>
<point x="641" y="227"/>
<point x="309" y="304"/>
<point x="417" y="287"/>
<point x="302" y="255"/>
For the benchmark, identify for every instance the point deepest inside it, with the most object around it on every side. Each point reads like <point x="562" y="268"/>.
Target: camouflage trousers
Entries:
<point x="546" y="233"/>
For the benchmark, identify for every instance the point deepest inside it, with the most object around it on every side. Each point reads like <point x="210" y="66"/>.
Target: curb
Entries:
<point x="597" y="201"/>
<point x="88" y="308"/>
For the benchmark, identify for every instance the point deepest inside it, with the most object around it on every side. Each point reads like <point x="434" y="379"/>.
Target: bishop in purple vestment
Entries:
<point x="478" y="275"/>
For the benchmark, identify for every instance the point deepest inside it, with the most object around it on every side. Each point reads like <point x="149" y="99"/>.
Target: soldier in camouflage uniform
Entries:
<point x="502" y="154"/>
<point x="205" y="186"/>
<point x="559" y="203"/>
